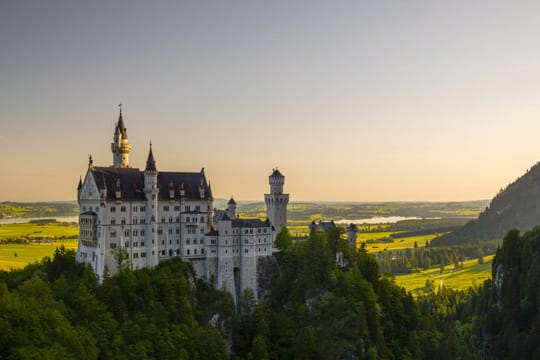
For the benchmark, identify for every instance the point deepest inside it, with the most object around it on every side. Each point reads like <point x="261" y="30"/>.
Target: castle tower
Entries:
<point x="276" y="201"/>
<point x="231" y="208"/>
<point x="120" y="146"/>
<point x="352" y="230"/>
<point x="151" y="192"/>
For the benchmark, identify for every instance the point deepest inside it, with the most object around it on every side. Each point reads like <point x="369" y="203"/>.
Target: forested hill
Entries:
<point x="517" y="206"/>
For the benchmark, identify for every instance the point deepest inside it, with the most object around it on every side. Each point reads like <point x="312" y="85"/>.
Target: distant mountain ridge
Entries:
<point x="517" y="206"/>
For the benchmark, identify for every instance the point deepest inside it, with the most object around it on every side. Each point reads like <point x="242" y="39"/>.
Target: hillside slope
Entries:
<point x="517" y="206"/>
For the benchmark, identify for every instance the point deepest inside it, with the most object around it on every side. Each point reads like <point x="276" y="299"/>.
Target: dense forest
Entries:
<point x="315" y="307"/>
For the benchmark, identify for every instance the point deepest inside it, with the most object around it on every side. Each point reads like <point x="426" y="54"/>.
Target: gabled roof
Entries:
<point x="130" y="182"/>
<point x="250" y="223"/>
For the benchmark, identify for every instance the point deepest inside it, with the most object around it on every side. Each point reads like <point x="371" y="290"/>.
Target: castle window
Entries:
<point x="188" y="241"/>
<point x="135" y="244"/>
<point x="197" y="208"/>
<point x="187" y="219"/>
<point x="258" y="231"/>
<point x="84" y="208"/>
<point x="170" y="219"/>
<point x="170" y="231"/>
<point x="135" y="208"/>
<point x="162" y="242"/>
<point x="202" y="231"/>
<point x="162" y="219"/>
<point x="126" y="232"/>
<point x="126" y="244"/>
<point x="136" y="256"/>
<point x="177" y="241"/>
<point x="178" y="219"/>
<point x="188" y="251"/>
<point x="177" y="231"/>
<point x="143" y="221"/>
<point x="202" y="241"/>
<point x="123" y="221"/>
<point x="113" y="209"/>
<point x="177" y="208"/>
<point x="202" y="219"/>
<point x="113" y="221"/>
<point x="264" y="230"/>
<point x="187" y="208"/>
<point x="143" y="208"/>
<point x="165" y="208"/>
<point x="246" y="250"/>
<point x="160" y="231"/>
<point x="142" y="232"/>
<point x="202" y="251"/>
<point x="112" y="245"/>
<point x="195" y="251"/>
<point x="113" y="233"/>
<point x="251" y="231"/>
<point x="123" y="209"/>
<point x="170" y="242"/>
<point x="135" y="221"/>
<point x="143" y="254"/>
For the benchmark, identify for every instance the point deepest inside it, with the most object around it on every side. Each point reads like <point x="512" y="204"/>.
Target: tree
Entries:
<point x="121" y="257"/>
<point x="283" y="239"/>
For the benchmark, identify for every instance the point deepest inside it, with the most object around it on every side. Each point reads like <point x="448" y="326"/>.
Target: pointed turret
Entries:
<point x="79" y="187"/>
<point x="150" y="162"/>
<point x="231" y="208"/>
<point x="209" y="194"/>
<point x="120" y="146"/>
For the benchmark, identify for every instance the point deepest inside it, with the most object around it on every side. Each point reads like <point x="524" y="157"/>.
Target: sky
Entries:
<point x="351" y="100"/>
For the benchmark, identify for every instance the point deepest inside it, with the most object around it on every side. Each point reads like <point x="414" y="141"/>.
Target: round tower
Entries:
<point x="151" y="191"/>
<point x="231" y="208"/>
<point x="120" y="146"/>
<point x="352" y="230"/>
<point x="277" y="201"/>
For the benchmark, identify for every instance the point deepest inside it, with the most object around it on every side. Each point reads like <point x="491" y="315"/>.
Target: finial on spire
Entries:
<point x="150" y="162"/>
<point x="90" y="161"/>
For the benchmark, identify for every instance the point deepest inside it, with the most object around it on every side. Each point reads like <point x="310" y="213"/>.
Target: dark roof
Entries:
<point x="150" y="162"/>
<point x="250" y="223"/>
<point x="79" y="187"/>
<point x="131" y="183"/>
<point x="221" y="215"/>
<point x="232" y="202"/>
<point x="121" y="127"/>
<point x="276" y="173"/>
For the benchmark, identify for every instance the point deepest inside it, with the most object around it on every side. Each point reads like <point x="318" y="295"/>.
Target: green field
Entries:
<point x="461" y="279"/>
<point x="397" y="244"/>
<point x="29" y="253"/>
<point x="30" y="242"/>
<point x="32" y="231"/>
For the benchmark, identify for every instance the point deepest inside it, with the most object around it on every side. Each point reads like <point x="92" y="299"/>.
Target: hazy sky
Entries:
<point x="353" y="100"/>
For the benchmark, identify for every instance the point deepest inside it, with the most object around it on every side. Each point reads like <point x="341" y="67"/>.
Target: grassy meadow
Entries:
<point x="21" y="244"/>
<point x="17" y="256"/>
<point x="460" y="279"/>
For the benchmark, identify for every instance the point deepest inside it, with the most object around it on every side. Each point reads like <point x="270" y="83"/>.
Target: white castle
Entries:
<point x="157" y="215"/>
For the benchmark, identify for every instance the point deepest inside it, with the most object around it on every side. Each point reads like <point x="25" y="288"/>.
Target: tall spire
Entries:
<point x="121" y="127"/>
<point x="150" y="163"/>
<point x="120" y="146"/>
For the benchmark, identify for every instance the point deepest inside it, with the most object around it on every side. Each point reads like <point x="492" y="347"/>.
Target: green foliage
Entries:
<point x="57" y="309"/>
<point x="283" y="239"/>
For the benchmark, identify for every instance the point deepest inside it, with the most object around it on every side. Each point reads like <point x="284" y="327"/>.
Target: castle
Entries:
<point x="157" y="215"/>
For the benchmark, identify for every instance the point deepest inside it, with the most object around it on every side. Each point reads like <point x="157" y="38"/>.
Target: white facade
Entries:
<point x="157" y="215"/>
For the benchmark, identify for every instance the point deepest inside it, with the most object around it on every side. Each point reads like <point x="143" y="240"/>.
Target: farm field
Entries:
<point x="398" y="244"/>
<point x="53" y="230"/>
<point x="461" y="279"/>
<point x="29" y="253"/>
